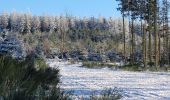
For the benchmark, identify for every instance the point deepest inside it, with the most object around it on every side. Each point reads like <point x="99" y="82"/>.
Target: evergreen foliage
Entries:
<point x="20" y="80"/>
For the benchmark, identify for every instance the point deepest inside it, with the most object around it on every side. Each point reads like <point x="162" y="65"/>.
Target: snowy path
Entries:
<point x="135" y="85"/>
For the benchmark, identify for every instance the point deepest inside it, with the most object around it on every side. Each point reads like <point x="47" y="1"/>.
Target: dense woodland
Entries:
<point x="140" y="37"/>
<point x="154" y="19"/>
<point x="66" y="33"/>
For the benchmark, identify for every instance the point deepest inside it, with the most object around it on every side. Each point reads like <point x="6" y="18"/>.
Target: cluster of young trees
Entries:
<point x="153" y="16"/>
<point x="67" y="28"/>
<point x="28" y="23"/>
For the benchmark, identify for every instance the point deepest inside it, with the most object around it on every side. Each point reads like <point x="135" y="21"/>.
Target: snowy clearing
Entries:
<point x="134" y="85"/>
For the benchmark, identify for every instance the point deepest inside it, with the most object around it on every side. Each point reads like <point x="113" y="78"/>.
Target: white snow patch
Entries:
<point x="135" y="85"/>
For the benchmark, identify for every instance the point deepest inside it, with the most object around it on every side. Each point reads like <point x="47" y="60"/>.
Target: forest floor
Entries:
<point x="133" y="85"/>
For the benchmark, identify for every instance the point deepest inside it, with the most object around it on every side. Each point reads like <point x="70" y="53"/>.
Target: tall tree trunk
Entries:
<point x="150" y="42"/>
<point x="156" y="34"/>
<point x="168" y="46"/>
<point x="164" y="41"/>
<point x="150" y="33"/>
<point x="159" y="48"/>
<point x="130" y="36"/>
<point x="159" y="35"/>
<point x="169" y="50"/>
<point x="124" y="39"/>
<point x="144" y="45"/>
<point x="132" y="44"/>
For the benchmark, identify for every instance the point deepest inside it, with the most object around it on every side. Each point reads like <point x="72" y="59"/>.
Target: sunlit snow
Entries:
<point x="134" y="85"/>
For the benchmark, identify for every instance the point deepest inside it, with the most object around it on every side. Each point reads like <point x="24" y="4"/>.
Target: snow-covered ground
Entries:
<point x="134" y="85"/>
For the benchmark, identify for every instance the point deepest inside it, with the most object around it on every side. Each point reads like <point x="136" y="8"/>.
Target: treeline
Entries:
<point x="28" y="23"/>
<point x="154" y="25"/>
<point x="66" y="33"/>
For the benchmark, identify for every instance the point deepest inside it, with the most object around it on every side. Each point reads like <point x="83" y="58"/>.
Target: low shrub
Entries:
<point x="108" y="94"/>
<point x="94" y="64"/>
<point x="21" y="80"/>
<point x="132" y="67"/>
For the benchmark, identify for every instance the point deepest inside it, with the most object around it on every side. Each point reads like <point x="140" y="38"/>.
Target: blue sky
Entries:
<point x="80" y="8"/>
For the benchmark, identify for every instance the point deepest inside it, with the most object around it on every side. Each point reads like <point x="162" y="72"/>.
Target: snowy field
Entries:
<point x="134" y="85"/>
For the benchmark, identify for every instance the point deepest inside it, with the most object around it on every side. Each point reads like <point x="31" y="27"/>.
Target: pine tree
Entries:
<point x="123" y="9"/>
<point x="27" y="22"/>
<point x="13" y="21"/>
<point x="4" y="20"/>
<point x="35" y="23"/>
<point x="45" y="23"/>
<point x="21" y="23"/>
<point x="52" y="24"/>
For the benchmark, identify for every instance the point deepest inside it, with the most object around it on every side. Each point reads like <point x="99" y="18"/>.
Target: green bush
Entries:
<point x="108" y="94"/>
<point x="95" y="64"/>
<point x="20" y="80"/>
<point x="132" y="67"/>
